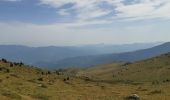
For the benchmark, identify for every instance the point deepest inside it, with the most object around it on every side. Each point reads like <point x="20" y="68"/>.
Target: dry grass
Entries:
<point x="27" y="83"/>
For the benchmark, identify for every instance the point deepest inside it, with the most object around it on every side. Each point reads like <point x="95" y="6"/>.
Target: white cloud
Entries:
<point x="60" y="34"/>
<point x="90" y="10"/>
<point x="84" y="9"/>
<point x="145" y="9"/>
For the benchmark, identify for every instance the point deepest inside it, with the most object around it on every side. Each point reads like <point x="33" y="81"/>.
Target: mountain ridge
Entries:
<point x="43" y="56"/>
<point x="86" y="61"/>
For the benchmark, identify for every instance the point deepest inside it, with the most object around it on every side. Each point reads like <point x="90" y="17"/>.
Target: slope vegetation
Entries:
<point x="149" y="70"/>
<point x="148" y="79"/>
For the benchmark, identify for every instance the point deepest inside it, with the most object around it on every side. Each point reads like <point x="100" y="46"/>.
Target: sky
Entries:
<point x="80" y="22"/>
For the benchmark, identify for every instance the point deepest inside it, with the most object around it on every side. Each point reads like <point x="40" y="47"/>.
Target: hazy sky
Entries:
<point x="73" y="22"/>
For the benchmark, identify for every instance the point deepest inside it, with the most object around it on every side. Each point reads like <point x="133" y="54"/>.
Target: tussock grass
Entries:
<point x="149" y="79"/>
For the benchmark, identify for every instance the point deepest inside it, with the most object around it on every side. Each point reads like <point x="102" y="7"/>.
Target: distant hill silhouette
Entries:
<point x="86" y="61"/>
<point x="47" y="56"/>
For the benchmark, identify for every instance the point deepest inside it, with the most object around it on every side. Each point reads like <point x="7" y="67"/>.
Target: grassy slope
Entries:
<point x="154" y="69"/>
<point x="21" y="83"/>
<point x="104" y="72"/>
<point x="148" y="75"/>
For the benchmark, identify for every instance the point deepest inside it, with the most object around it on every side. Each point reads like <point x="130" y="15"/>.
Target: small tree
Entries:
<point x="68" y="78"/>
<point x="7" y="70"/>
<point x="48" y="72"/>
<point x="11" y="65"/>
<point x="4" y="60"/>
<point x="21" y="63"/>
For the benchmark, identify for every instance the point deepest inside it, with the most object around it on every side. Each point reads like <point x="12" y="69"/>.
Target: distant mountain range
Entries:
<point x="53" y="56"/>
<point x="87" y="61"/>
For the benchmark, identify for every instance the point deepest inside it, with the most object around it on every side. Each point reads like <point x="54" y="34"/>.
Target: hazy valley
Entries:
<point x="84" y="49"/>
<point x="119" y="80"/>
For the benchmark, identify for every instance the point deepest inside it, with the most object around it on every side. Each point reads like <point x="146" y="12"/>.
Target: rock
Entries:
<point x="40" y="79"/>
<point x="133" y="97"/>
<point x="40" y="85"/>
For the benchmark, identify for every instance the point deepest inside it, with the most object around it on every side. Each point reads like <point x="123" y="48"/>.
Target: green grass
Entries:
<point x="151" y="70"/>
<point x="149" y="79"/>
<point x="10" y="95"/>
<point x="40" y="97"/>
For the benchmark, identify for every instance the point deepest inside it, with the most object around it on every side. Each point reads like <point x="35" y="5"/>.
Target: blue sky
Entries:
<point x="74" y="22"/>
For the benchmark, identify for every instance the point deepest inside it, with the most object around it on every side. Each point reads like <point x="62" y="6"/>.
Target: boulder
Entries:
<point x="133" y="97"/>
